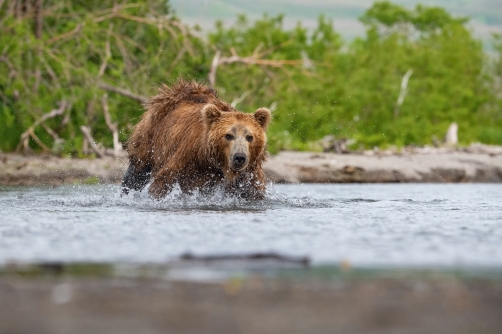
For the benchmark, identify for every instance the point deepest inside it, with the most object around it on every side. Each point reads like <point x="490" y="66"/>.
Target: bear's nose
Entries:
<point x="239" y="159"/>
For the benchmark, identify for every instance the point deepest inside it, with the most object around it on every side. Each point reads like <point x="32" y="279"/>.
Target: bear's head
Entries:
<point x="236" y="141"/>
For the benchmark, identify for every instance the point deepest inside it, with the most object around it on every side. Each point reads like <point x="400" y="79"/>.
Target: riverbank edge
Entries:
<point x="446" y="166"/>
<point x="84" y="298"/>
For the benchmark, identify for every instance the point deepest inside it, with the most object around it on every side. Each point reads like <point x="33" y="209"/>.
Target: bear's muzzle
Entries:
<point x="239" y="162"/>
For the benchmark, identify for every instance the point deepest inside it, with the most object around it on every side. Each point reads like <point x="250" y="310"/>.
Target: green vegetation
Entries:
<point x="486" y="14"/>
<point x="91" y="180"/>
<point x="316" y="83"/>
<point x="81" y="45"/>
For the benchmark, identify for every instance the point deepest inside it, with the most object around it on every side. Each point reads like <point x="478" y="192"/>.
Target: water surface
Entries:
<point x="452" y="225"/>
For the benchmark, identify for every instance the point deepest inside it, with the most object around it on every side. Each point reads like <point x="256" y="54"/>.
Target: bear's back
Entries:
<point x="181" y="93"/>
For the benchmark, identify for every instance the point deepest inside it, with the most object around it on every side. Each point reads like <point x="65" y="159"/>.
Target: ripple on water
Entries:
<point x="363" y="224"/>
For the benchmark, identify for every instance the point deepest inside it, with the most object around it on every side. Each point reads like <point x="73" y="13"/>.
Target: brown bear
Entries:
<point x="188" y="136"/>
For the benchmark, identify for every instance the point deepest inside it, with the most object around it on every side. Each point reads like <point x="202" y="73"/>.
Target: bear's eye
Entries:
<point x="249" y="138"/>
<point x="228" y="136"/>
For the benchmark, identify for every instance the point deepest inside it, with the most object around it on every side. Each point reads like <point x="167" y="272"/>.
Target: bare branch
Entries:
<point x="177" y="59"/>
<point x="159" y="22"/>
<point x="63" y="106"/>
<point x="18" y="10"/>
<point x="240" y="98"/>
<point x="25" y="140"/>
<point x="123" y="92"/>
<point x="113" y="10"/>
<point x="77" y="29"/>
<point x="273" y="48"/>
<point x="67" y="65"/>
<point x="89" y="111"/>
<point x="39" y="19"/>
<point x="87" y="134"/>
<point x="251" y="60"/>
<point x="48" y="68"/>
<point x="108" y="53"/>
<point x="256" y="51"/>
<point x="123" y="52"/>
<point x="66" y="119"/>
<point x="51" y="132"/>
<point x="214" y="68"/>
<point x="129" y="41"/>
<point x="85" y="146"/>
<point x="117" y="147"/>
<point x="37" y="140"/>
<point x="25" y="136"/>
<point x="11" y="67"/>
<point x="403" y="92"/>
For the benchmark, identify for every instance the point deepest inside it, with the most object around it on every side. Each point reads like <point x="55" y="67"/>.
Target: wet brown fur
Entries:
<point x="181" y="139"/>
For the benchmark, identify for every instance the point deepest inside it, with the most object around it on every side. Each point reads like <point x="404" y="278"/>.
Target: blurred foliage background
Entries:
<point x="411" y="75"/>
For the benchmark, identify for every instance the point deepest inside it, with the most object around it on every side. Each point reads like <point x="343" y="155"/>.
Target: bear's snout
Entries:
<point x="239" y="161"/>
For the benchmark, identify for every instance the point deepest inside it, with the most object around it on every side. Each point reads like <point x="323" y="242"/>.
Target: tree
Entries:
<point x="412" y="74"/>
<point x="75" y="51"/>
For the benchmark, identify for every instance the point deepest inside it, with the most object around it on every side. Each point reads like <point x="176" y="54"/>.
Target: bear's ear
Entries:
<point x="210" y="113"/>
<point x="262" y="116"/>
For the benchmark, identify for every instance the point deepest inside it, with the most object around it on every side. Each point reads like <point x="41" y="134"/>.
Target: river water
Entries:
<point x="369" y="225"/>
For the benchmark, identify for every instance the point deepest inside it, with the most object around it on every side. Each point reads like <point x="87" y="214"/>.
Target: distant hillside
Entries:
<point x="486" y="15"/>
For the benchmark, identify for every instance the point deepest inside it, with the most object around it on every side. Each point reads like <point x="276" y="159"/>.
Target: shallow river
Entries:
<point x="456" y="225"/>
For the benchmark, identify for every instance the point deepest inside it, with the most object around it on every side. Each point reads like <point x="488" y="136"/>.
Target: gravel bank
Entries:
<point x="303" y="167"/>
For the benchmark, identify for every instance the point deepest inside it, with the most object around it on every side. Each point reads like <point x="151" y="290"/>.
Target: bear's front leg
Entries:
<point x="249" y="186"/>
<point x="162" y="184"/>
<point x="192" y="180"/>
<point x="136" y="178"/>
<point x="257" y="185"/>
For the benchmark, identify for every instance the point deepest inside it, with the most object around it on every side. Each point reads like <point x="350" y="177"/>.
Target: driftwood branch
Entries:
<point x="30" y="133"/>
<point x="254" y="59"/>
<point x="303" y="260"/>
<point x="123" y="92"/>
<point x="403" y="92"/>
<point x="87" y="134"/>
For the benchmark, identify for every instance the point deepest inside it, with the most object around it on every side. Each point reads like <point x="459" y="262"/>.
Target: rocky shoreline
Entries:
<point x="448" y="167"/>
<point x="34" y="170"/>
<point x="476" y="163"/>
